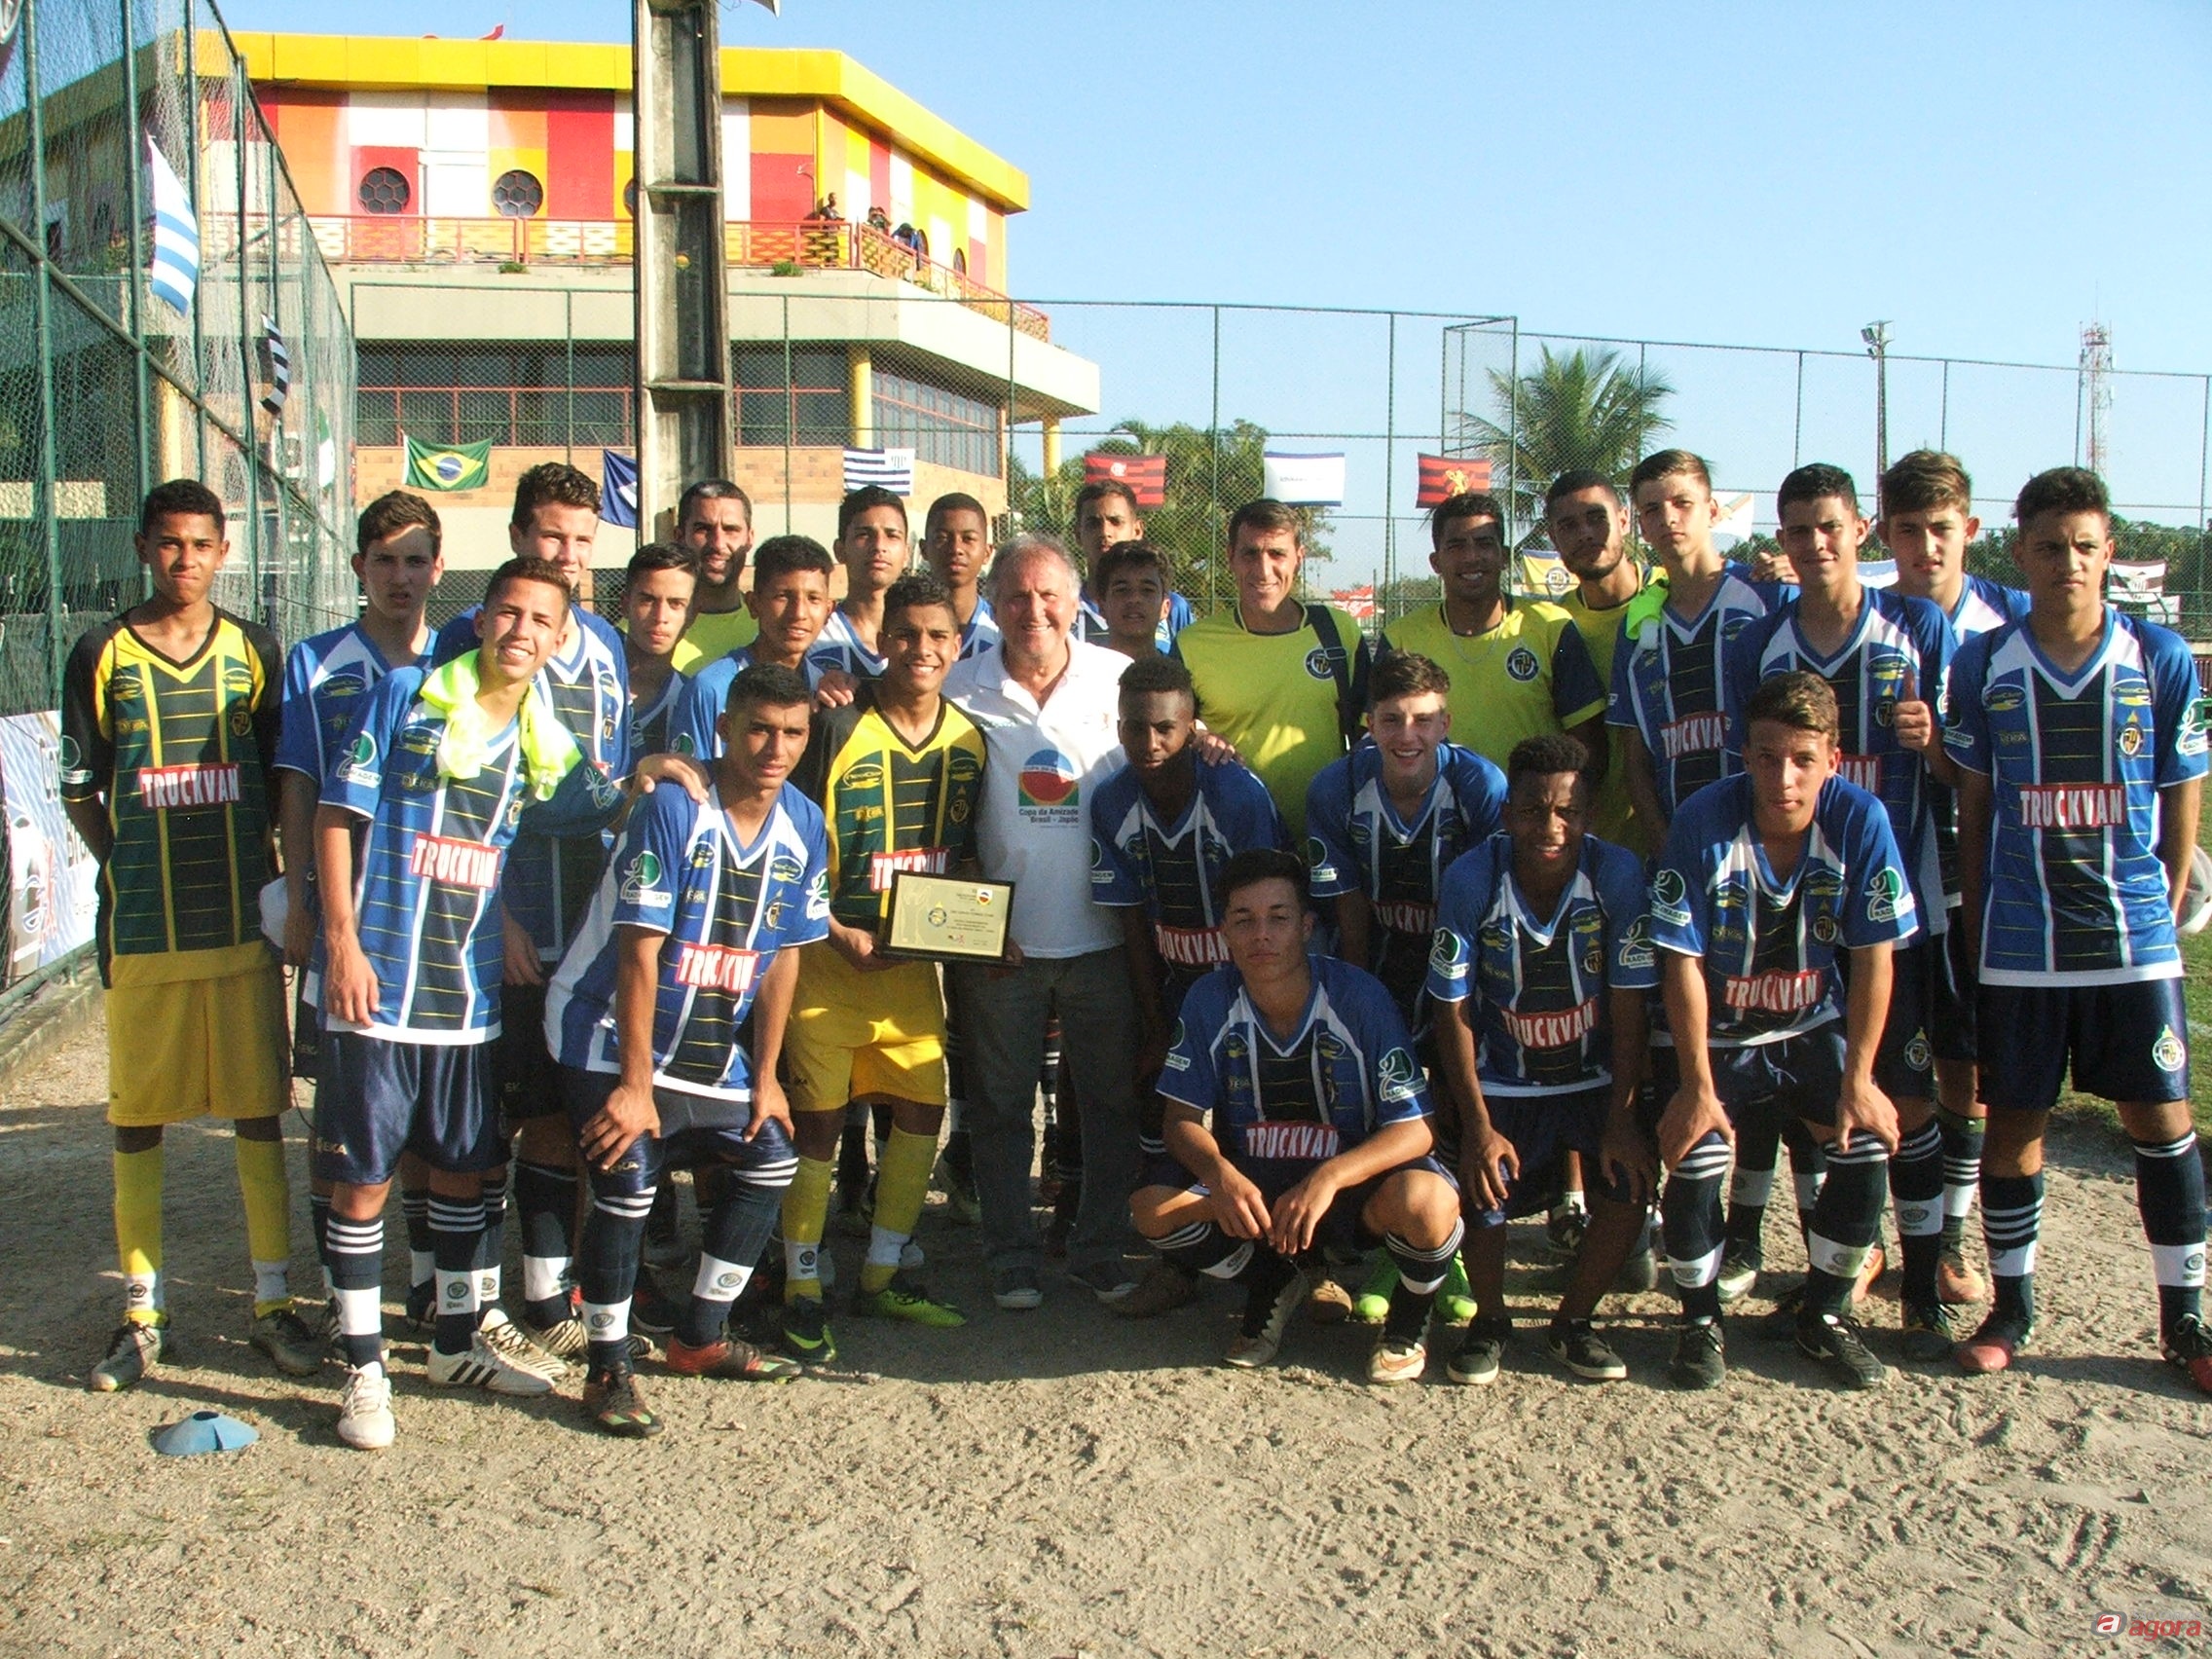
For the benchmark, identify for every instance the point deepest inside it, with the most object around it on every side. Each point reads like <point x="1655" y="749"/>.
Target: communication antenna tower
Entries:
<point x="2096" y="395"/>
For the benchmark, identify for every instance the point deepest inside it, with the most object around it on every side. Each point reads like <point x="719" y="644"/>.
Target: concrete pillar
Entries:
<point x="1051" y="445"/>
<point x="862" y="364"/>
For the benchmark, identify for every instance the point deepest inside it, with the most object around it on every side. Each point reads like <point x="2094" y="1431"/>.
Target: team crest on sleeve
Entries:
<point x="1449" y="954"/>
<point x="2190" y="739"/>
<point x="1521" y="663"/>
<point x="1886" y="897"/>
<point x="683" y="746"/>
<point x="1636" y="945"/>
<point x="1667" y="898"/>
<point x="1176" y="1059"/>
<point x="1398" y="1076"/>
<point x="641" y="880"/>
<point x="360" y="761"/>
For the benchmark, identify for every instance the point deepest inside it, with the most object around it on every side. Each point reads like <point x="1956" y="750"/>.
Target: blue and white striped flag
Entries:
<point x="1304" y="480"/>
<point x="892" y="468"/>
<point x="175" y="271"/>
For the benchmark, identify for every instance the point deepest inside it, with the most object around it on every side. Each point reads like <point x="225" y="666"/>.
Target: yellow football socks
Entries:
<point x="901" y="1183"/>
<point x="268" y="1200"/>
<point x="806" y="1212"/>
<point x="139" y="1231"/>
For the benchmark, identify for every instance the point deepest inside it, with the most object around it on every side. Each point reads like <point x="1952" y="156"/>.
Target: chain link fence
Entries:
<point x="107" y="387"/>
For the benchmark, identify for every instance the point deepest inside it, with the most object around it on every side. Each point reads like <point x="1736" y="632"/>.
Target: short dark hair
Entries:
<point x="769" y="682"/>
<point x="1256" y="865"/>
<point x="551" y="483"/>
<point x="1406" y="674"/>
<point x="179" y="497"/>
<point x="1798" y="699"/>
<point x="525" y="569"/>
<point x="957" y="502"/>
<point x="861" y="500"/>
<point x="2063" y="490"/>
<point x="1136" y="555"/>
<point x="1265" y="514"/>
<point x="393" y="512"/>
<point x="710" y="490"/>
<point x="1576" y="479"/>
<point x="1924" y="480"/>
<point x="1100" y="491"/>
<point x="1666" y="464"/>
<point x="662" y="556"/>
<point x="1813" y="481"/>
<point x="1156" y="674"/>
<point x="780" y="555"/>
<point x="1545" y="756"/>
<point x="916" y="590"/>
<point x="1467" y="504"/>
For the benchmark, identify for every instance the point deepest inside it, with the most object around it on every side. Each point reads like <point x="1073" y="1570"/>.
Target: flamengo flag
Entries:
<point x="276" y="366"/>
<point x="892" y="469"/>
<point x="1442" y="477"/>
<point x="175" y="270"/>
<point x="1304" y="480"/>
<point x="1357" y="603"/>
<point x="618" y="490"/>
<point x="448" y="467"/>
<point x="1146" y="476"/>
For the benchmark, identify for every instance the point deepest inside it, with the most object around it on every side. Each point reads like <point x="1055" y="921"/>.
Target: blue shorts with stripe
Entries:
<point x="376" y="1099"/>
<point x="1341" y="1228"/>
<point x="696" y="1131"/>
<point x="1791" y="1077"/>
<point x="1543" y="1129"/>
<point x="2127" y="1041"/>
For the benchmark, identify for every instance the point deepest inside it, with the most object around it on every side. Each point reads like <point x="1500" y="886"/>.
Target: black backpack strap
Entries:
<point x="1323" y="621"/>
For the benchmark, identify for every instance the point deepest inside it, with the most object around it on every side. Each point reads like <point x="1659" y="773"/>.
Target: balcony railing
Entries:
<point x="812" y="244"/>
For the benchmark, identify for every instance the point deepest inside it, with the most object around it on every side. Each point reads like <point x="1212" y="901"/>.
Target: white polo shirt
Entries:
<point x="1045" y="763"/>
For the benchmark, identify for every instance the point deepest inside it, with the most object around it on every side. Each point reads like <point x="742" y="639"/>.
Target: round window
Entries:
<point x="385" y="191"/>
<point x="517" y="195"/>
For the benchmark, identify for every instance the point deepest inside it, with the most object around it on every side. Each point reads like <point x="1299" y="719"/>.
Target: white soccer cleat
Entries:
<point x="485" y="1367"/>
<point x="512" y="1344"/>
<point x="364" y="1410"/>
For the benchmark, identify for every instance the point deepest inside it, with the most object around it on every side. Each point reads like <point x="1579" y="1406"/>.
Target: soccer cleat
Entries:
<point x="1267" y="1315"/>
<point x="483" y="1366"/>
<point x="905" y="1300"/>
<point x="1739" y="1273"/>
<point x="1016" y="1290"/>
<point x="1396" y="1359"/>
<point x="1481" y="1352"/>
<point x="132" y="1352"/>
<point x="1163" y="1288"/>
<point x="564" y="1339"/>
<point x="1870" y="1272"/>
<point x="2188" y="1349"/>
<point x="1578" y="1346"/>
<point x="806" y="1332"/>
<point x="1956" y="1283"/>
<point x="1928" y="1333"/>
<point x="421" y="1312"/>
<point x="283" y="1336"/>
<point x="364" y="1410"/>
<point x="1371" y="1303"/>
<point x="1701" y="1355"/>
<point x="1563" y="1231"/>
<point x="1328" y="1302"/>
<point x="613" y="1401"/>
<point x="1993" y="1346"/>
<point x="1109" y="1281"/>
<point x="1454" y="1301"/>
<point x="506" y="1340"/>
<point x="1836" y="1344"/>
<point x="731" y="1360"/>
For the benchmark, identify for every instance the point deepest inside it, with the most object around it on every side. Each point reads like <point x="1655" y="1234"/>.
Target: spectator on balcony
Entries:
<point x="879" y="220"/>
<point x="827" y="210"/>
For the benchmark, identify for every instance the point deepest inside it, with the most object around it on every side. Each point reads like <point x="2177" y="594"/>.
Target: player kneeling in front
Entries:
<point x="1320" y="1126"/>
<point x="695" y="924"/>
<point x="1767" y="881"/>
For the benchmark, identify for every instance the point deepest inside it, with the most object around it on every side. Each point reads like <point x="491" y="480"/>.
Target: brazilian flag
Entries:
<point x="448" y="467"/>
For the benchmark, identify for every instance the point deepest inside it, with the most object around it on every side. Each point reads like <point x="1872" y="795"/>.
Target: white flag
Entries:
<point x="1304" y="480"/>
<point x="890" y="469"/>
<point x="175" y="271"/>
<point x="1878" y="572"/>
<point x="1732" y="522"/>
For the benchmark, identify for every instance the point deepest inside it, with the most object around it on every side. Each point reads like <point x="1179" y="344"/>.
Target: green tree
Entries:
<point x="1583" y="408"/>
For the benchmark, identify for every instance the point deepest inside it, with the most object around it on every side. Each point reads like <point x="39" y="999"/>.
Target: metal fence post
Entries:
<point x="1213" y="479"/>
<point x="790" y="411"/>
<point x="246" y="422"/>
<point x="1797" y="429"/>
<point x="136" y="276"/>
<point x="44" y="497"/>
<point x="1513" y="442"/>
<point x="1943" y="419"/>
<point x="568" y="419"/>
<point x="1389" y="468"/>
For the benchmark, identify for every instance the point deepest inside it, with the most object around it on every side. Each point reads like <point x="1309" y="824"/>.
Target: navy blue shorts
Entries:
<point x="1951" y="997"/>
<point x="306" y="1035"/>
<point x="1905" y="1066"/>
<point x="2127" y="1041"/>
<point x="1793" y="1076"/>
<point x="696" y="1131"/>
<point x="530" y="1078"/>
<point x="376" y="1099"/>
<point x="1543" y="1129"/>
<point x="1341" y="1228"/>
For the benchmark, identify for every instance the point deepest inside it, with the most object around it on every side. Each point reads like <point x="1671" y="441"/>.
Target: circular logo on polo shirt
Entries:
<point x="1048" y="779"/>
<point x="1317" y="663"/>
<point x="1522" y="664"/>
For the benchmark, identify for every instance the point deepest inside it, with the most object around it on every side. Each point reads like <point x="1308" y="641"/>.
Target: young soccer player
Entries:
<point x="1106" y="514"/>
<point x="1885" y="655"/>
<point x="695" y="926"/>
<point x="2081" y="759"/>
<point x="898" y="773"/>
<point x="1319" y="1129"/>
<point x="713" y="520"/>
<point x="1927" y="521"/>
<point x="433" y="782"/>
<point x="1543" y="958"/>
<point x="956" y="541"/>
<point x="656" y="604"/>
<point x="871" y="546"/>
<point x="791" y="599"/>
<point x="1767" y="883"/>
<point x="168" y="738"/>
<point x="1588" y="526"/>
<point x="1133" y="584"/>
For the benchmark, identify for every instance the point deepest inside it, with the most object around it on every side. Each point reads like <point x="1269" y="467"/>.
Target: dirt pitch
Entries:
<point x="1060" y="1482"/>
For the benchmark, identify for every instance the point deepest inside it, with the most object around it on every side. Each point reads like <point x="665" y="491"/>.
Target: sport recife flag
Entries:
<point x="1357" y="603"/>
<point x="1304" y="480"/>
<point x="175" y="270"/>
<point x="1146" y="476"/>
<point x="618" y="488"/>
<point x="448" y="467"/>
<point x="1443" y="476"/>
<point x="892" y="469"/>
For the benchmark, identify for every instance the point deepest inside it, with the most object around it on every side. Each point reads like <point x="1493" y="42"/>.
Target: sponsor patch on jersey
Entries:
<point x="457" y="864"/>
<point x="1667" y="896"/>
<point x="1176" y="1059"/>
<point x="1521" y="663"/>
<point x="2073" y="806"/>
<point x="1048" y="779"/>
<point x="883" y="868"/>
<point x="1190" y="948"/>
<point x="1398" y="1076"/>
<point x="786" y="869"/>
<point x="167" y="789"/>
<point x="1865" y="770"/>
<point x="716" y="968"/>
<point x="1449" y="954"/>
<point x="1636" y="949"/>
<point x="1302" y="1143"/>
<point x="360" y="763"/>
<point x="1560" y="1029"/>
<point x="641" y="880"/>
<point x="1404" y="916"/>
<point x="1886" y="897"/>
<point x="1693" y="734"/>
<point x="1777" y="992"/>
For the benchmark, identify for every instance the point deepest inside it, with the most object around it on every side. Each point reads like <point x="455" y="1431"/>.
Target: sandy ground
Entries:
<point x="1062" y="1481"/>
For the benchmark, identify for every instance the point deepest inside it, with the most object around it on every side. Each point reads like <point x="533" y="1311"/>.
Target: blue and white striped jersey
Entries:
<point x="1541" y="1011"/>
<point x="1347" y="1071"/>
<point x="1900" y="644"/>
<point x="652" y="729"/>
<point x="1982" y="607"/>
<point x="839" y="646"/>
<point x="980" y="633"/>
<point x="1175" y="616"/>
<point x="691" y="727"/>
<point x="1356" y="843"/>
<point x="1771" y="943"/>
<point x="326" y="678"/>
<point x="725" y="909"/>
<point x="2076" y="893"/>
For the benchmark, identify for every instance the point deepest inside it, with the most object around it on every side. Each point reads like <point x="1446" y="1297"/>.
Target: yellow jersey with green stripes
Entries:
<point x="179" y="754"/>
<point x="1612" y="816"/>
<point x="888" y="805"/>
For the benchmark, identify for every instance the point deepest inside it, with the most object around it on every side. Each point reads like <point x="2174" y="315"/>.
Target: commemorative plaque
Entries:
<point x="944" y="918"/>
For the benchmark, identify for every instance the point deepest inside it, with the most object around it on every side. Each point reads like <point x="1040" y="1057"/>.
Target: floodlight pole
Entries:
<point x="1878" y="338"/>
<point x="680" y="264"/>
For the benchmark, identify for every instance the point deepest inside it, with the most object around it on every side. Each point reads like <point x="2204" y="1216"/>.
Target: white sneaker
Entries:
<point x="364" y="1410"/>
<point x="512" y="1344"/>
<point x="484" y="1366"/>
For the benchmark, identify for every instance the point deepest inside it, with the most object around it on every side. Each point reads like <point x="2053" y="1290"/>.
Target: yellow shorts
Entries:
<point x="189" y="1047"/>
<point x="854" y="1035"/>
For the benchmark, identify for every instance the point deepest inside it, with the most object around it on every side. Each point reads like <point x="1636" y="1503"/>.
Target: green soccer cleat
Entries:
<point x="903" y="1298"/>
<point x="1454" y="1301"/>
<point x="1371" y="1304"/>
<point x="806" y="1332"/>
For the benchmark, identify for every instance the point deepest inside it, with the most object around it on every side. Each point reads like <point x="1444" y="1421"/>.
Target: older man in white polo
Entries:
<point x="1048" y="705"/>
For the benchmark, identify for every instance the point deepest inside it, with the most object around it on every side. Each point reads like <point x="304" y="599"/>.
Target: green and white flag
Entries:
<point x="448" y="467"/>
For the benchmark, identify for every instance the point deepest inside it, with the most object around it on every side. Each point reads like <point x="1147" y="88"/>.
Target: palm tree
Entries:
<point x="1582" y="408"/>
